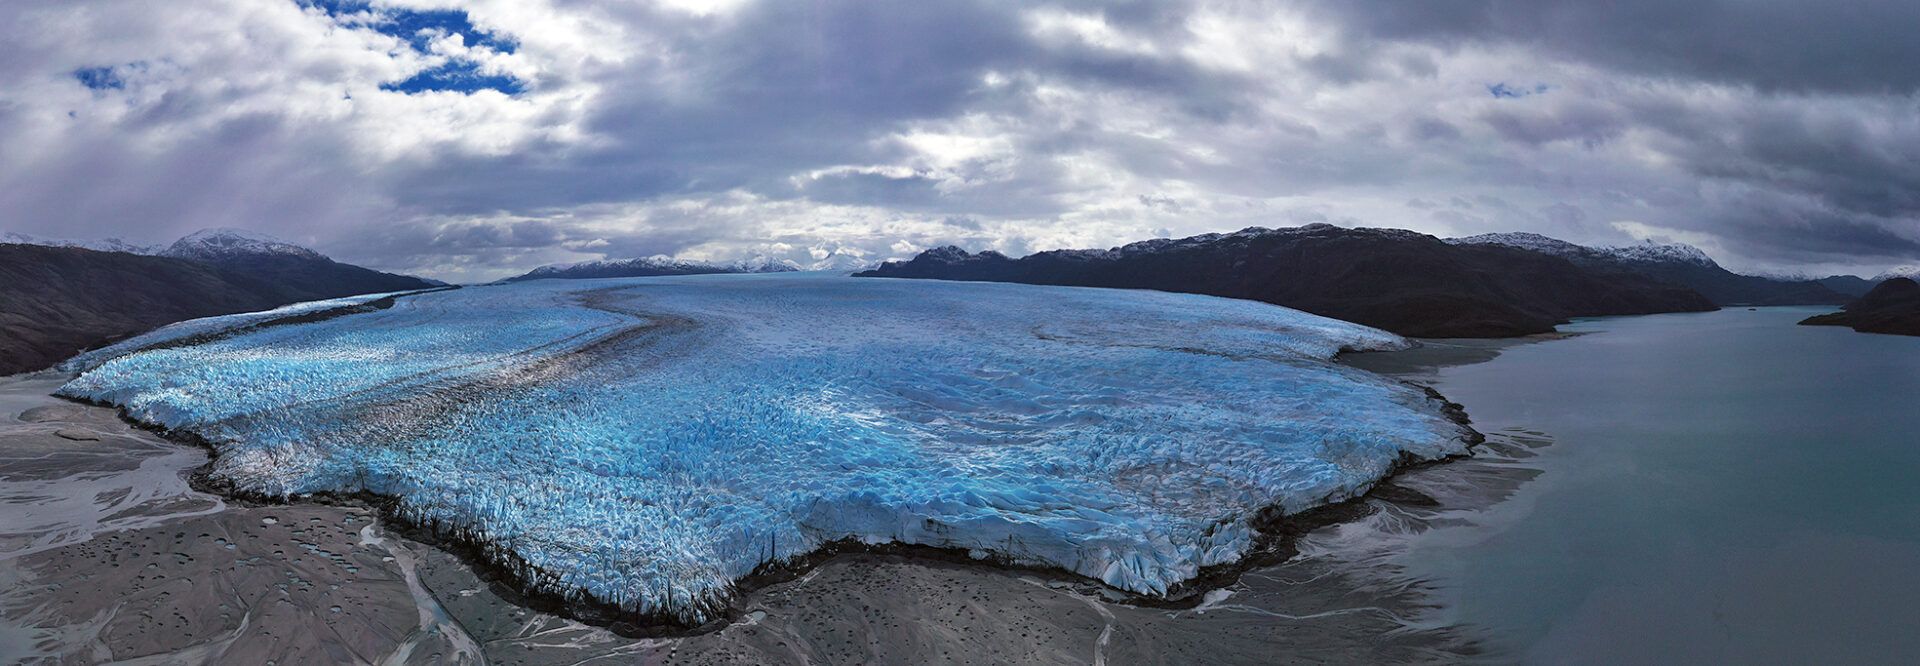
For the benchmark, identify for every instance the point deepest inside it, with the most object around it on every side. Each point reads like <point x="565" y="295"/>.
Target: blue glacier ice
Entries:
<point x="647" y="442"/>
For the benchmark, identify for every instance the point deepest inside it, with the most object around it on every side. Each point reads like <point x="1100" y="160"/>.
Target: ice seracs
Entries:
<point x="647" y="442"/>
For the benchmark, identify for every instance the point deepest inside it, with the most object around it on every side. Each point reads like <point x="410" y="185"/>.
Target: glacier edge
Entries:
<point x="693" y="430"/>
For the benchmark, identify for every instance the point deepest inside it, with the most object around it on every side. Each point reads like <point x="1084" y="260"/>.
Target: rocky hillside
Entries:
<point x="1680" y="264"/>
<point x="288" y="272"/>
<point x="1892" y="307"/>
<point x="1405" y="282"/>
<point x="58" y="300"/>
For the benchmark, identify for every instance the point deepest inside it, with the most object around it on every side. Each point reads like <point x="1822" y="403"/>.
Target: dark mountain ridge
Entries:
<point x="1405" y="282"/>
<point x="1679" y="264"/>
<point x="57" y="301"/>
<point x="1893" y="307"/>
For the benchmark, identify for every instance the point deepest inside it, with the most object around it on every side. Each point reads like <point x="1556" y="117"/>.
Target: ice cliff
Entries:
<point x="649" y="441"/>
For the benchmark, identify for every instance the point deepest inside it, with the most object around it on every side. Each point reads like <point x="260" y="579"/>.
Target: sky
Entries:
<point x="475" y="139"/>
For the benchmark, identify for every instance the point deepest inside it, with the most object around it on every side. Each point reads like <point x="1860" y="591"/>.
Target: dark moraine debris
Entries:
<point x="1892" y="307"/>
<point x="1405" y="282"/>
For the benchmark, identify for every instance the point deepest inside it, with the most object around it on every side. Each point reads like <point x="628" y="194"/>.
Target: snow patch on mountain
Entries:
<point x="1908" y="271"/>
<point x="1652" y="252"/>
<point x="226" y="243"/>
<point x="102" y="245"/>
<point x="1646" y="252"/>
<point x="1525" y="241"/>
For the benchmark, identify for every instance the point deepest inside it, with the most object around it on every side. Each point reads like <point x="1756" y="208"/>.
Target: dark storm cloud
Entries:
<point x="1857" y="46"/>
<point x="1837" y="158"/>
<point x="1781" y="229"/>
<point x="1589" y="124"/>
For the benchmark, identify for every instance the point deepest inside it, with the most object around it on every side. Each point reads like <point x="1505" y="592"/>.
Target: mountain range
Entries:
<point x="1402" y="281"/>
<point x="58" y="298"/>
<point x="647" y="267"/>
<point x="1679" y="264"/>
<point x="652" y="266"/>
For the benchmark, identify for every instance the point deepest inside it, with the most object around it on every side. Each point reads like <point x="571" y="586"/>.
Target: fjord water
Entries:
<point x="1722" y="487"/>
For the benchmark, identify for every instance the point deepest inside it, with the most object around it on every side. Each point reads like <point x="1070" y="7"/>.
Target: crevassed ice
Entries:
<point x="649" y="441"/>
<point x="206" y="325"/>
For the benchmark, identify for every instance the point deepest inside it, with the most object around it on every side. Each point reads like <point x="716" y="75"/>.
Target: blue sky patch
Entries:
<point x="99" y="78"/>
<point x="408" y="24"/>
<point x="1503" y="91"/>
<point x="459" y="76"/>
<point x="418" y="28"/>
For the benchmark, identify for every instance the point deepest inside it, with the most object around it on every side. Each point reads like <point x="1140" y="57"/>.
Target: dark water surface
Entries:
<point x="1722" y="487"/>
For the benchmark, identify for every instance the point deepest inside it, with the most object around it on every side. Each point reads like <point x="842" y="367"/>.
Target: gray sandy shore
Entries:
<point x="107" y="556"/>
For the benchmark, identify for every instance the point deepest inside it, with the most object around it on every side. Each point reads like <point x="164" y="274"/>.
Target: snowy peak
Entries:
<point x="1908" y="271"/>
<point x="839" y="262"/>
<point x="1525" y="241"/>
<point x="203" y="245"/>
<point x="1651" y="252"/>
<point x="102" y="245"/>
<point x="761" y="264"/>
<point x="216" y="244"/>
<point x="1643" y="253"/>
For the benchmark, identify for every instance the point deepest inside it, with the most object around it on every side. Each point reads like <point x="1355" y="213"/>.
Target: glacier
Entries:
<point x="648" y="442"/>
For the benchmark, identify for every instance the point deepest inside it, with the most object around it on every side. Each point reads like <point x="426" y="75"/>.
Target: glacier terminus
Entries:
<point x="648" y="442"/>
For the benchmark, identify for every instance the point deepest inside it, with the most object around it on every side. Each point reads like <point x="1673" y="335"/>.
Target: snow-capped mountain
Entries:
<point x="1647" y="252"/>
<point x="1651" y="252"/>
<point x="1910" y="272"/>
<point x="842" y="263"/>
<point x="651" y="266"/>
<point x="1403" y="281"/>
<point x="1525" y="241"/>
<point x="222" y="243"/>
<point x="1677" y="263"/>
<point x="202" y="245"/>
<point x="103" y="245"/>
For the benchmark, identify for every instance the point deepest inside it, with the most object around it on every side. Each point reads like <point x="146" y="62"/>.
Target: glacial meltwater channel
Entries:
<point x="1722" y="487"/>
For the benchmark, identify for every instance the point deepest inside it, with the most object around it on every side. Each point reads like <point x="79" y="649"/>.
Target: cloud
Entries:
<point x="475" y="139"/>
<point x="1771" y="45"/>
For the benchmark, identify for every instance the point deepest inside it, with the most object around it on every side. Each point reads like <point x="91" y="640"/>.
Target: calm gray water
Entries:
<point x="1723" y="487"/>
